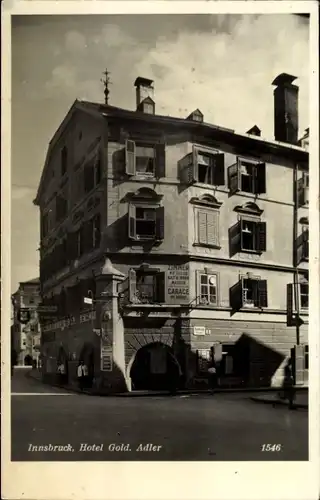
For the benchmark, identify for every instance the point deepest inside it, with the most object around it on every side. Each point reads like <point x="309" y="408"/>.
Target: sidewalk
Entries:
<point x="270" y="398"/>
<point x="301" y="399"/>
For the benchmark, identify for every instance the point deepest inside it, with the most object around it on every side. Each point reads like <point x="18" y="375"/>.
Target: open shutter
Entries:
<point x="217" y="353"/>
<point x="132" y="286"/>
<point x="305" y="254"/>
<point x="213" y="227"/>
<point x="130" y="158"/>
<point x="290" y="319"/>
<point x="260" y="178"/>
<point x="301" y="192"/>
<point x="160" y="160"/>
<point x="234" y="178"/>
<point x="202" y="227"/>
<point x="300" y="242"/>
<point x="262" y="293"/>
<point x="192" y="167"/>
<point x="236" y="299"/>
<point x="132" y="221"/>
<point x="235" y="238"/>
<point x="305" y="177"/>
<point x="159" y="287"/>
<point x="261" y="236"/>
<point x="299" y="364"/>
<point x="160" y="223"/>
<point x="218" y="170"/>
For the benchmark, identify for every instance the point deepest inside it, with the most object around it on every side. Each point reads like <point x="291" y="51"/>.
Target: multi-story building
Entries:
<point x="25" y="330"/>
<point x="207" y="232"/>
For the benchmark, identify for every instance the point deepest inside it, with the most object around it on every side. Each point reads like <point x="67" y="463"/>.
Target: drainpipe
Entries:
<point x="296" y="274"/>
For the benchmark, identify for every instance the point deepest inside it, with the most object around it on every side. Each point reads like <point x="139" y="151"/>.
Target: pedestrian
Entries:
<point x="212" y="375"/>
<point x="82" y="374"/>
<point x="61" y="373"/>
<point x="288" y="384"/>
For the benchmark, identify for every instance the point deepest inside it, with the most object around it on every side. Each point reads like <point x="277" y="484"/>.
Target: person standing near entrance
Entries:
<point x="82" y="374"/>
<point x="289" y="390"/>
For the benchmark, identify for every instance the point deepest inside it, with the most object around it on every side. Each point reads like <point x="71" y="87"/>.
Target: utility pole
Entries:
<point x="106" y="82"/>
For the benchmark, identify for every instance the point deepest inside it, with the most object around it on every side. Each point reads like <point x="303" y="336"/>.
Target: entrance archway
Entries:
<point x="155" y="368"/>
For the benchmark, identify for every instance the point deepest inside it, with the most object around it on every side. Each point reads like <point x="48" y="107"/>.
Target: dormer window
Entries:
<point x="147" y="106"/>
<point x="196" y="116"/>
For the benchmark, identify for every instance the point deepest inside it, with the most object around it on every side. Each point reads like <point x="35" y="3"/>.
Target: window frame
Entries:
<point x="260" y="228"/>
<point x="158" y="285"/>
<point x="158" y="210"/>
<point x="208" y="273"/>
<point x="146" y="145"/>
<point x="259" y="177"/>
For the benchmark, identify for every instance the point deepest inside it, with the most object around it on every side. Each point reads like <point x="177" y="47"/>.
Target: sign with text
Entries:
<point x="178" y="284"/>
<point x="199" y="330"/>
<point x="106" y="359"/>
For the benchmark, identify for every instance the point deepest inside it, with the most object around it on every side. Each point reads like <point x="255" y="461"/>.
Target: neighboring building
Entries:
<point x="206" y="228"/>
<point x="25" y="336"/>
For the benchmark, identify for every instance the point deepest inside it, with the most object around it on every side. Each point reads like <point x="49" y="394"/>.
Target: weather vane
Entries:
<point x="106" y="82"/>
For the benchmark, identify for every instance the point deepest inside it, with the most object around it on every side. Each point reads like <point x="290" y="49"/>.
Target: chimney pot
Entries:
<point x="285" y="109"/>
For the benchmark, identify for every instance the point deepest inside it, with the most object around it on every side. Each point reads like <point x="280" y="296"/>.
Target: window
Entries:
<point x="96" y="231"/>
<point x="146" y="286"/>
<point x="64" y="160"/>
<point x="247" y="176"/>
<point x="45" y="225"/>
<point x="146" y="222"/>
<point x="248" y="235"/>
<point x="88" y="178"/>
<point x="144" y="159"/>
<point x="203" y="166"/>
<point x="148" y="107"/>
<point x="92" y="172"/>
<point x="249" y="292"/>
<point x="303" y="189"/>
<point x="306" y="357"/>
<point x="304" y="295"/>
<point x="203" y="361"/>
<point x="208" y="289"/>
<point x="302" y="245"/>
<point x="61" y="207"/>
<point x="208" y="227"/>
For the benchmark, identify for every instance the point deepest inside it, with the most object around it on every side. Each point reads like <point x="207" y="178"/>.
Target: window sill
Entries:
<point x="146" y="240"/>
<point x="207" y="245"/>
<point x="251" y="252"/>
<point x="152" y="306"/>
<point x="222" y="188"/>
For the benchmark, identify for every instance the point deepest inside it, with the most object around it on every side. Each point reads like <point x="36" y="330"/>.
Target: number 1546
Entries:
<point x="271" y="447"/>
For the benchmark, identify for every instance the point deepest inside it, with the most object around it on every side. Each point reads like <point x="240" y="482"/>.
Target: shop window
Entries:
<point x="143" y="159"/>
<point x="208" y="288"/>
<point x="303" y="189"/>
<point x="64" y="161"/>
<point x="146" y="222"/>
<point x="146" y="286"/>
<point x="249" y="292"/>
<point x="247" y="176"/>
<point x="203" y="166"/>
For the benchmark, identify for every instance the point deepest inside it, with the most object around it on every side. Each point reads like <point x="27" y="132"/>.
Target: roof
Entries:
<point x="100" y="111"/>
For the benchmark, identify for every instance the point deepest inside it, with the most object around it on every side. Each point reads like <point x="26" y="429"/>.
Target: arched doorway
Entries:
<point x="155" y="368"/>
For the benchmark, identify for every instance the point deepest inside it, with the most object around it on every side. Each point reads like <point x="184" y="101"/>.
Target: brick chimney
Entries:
<point x="285" y="109"/>
<point x="145" y="95"/>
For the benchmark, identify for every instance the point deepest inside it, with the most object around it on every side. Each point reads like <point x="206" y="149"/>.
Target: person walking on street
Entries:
<point x="82" y="374"/>
<point x="289" y="390"/>
<point x="212" y="372"/>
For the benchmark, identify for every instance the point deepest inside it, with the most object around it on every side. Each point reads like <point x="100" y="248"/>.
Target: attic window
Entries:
<point x="196" y="116"/>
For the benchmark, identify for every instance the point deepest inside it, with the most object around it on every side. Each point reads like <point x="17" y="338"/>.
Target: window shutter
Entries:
<point x="235" y="239"/>
<point x="159" y="287"/>
<point x="236" y="299"/>
<point x="260" y="178"/>
<point x="160" y="223"/>
<point x="160" y="160"/>
<point x="299" y="364"/>
<point x="202" y="227"/>
<point x="300" y="248"/>
<point x="262" y="293"/>
<point x="131" y="221"/>
<point x="234" y="178"/>
<point x="290" y="321"/>
<point x="192" y="167"/>
<point x="130" y="159"/>
<point x="217" y="353"/>
<point x="301" y="192"/>
<point x="261" y="236"/>
<point x="213" y="228"/>
<point x="218" y="170"/>
<point x="132" y="286"/>
<point x="305" y="254"/>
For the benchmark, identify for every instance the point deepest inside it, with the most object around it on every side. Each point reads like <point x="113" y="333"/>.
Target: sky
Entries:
<point x="222" y="64"/>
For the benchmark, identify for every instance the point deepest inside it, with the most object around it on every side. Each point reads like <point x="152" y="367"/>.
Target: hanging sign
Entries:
<point x="23" y="316"/>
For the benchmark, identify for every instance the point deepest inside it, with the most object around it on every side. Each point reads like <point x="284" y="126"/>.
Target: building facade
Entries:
<point x="25" y="330"/>
<point x="205" y="232"/>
